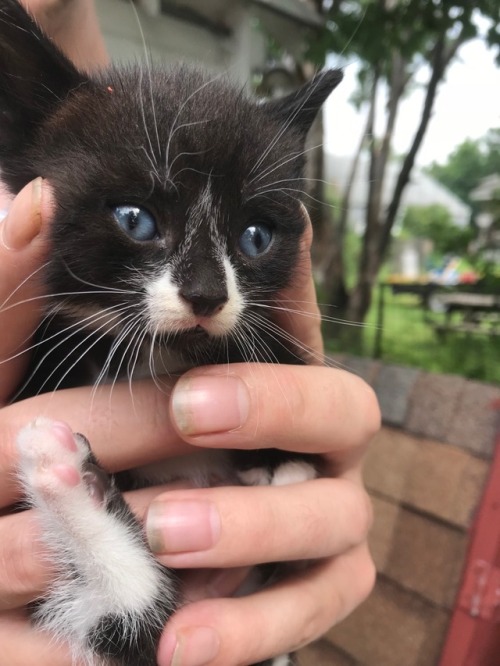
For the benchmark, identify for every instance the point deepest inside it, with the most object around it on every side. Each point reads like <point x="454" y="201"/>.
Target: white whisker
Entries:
<point x="174" y="127"/>
<point x="279" y="163"/>
<point x="21" y="285"/>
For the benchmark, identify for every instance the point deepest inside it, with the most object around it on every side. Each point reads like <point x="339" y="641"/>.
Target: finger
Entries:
<point x="126" y="429"/>
<point x="23" y="244"/>
<point x="22" y="645"/>
<point x="234" y="527"/>
<point x="74" y="27"/>
<point x="129" y="429"/>
<point x="304" y="318"/>
<point x="298" y="312"/>
<point x="25" y="566"/>
<point x="24" y="571"/>
<point x="282" y="406"/>
<point x="200" y="584"/>
<point x="273" y="621"/>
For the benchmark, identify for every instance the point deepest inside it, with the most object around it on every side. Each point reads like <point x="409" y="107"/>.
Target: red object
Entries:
<point x="468" y="277"/>
<point x="474" y="634"/>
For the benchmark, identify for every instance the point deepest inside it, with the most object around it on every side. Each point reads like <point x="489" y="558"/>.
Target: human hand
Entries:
<point x="300" y="513"/>
<point x="23" y="247"/>
<point x="223" y="531"/>
<point x="74" y="27"/>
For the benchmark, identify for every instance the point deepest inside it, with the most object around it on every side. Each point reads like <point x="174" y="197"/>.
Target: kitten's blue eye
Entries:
<point x="136" y="222"/>
<point x="255" y="240"/>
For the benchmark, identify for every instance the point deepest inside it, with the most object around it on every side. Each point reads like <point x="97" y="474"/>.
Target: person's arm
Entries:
<point x="74" y="27"/>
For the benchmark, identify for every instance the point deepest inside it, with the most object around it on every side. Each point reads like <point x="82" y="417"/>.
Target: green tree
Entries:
<point x="468" y="164"/>
<point x="463" y="169"/>
<point x="491" y="143"/>
<point x="435" y="223"/>
<point x="393" y="40"/>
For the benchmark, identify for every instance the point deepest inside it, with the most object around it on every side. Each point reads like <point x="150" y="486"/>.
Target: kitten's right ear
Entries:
<point x="301" y="107"/>
<point x="34" y="76"/>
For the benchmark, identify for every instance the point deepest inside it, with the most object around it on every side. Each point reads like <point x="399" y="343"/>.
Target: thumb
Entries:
<point x="23" y="247"/>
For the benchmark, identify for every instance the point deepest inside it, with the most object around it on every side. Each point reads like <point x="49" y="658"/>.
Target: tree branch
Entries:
<point x="439" y="63"/>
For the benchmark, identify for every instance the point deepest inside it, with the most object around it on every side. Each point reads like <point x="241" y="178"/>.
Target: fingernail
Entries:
<point x="182" y="526"/>
<point x="196" y="646"/>
<point x="203" y="405"/>
<point x="24" y="220"/>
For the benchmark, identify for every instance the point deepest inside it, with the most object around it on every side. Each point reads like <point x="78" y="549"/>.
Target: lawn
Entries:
<point x="407" y="339"/>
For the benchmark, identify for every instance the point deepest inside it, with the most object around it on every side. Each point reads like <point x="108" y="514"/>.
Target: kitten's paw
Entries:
<point x="109" y="599"/>
<point x="54" y="462"/>
<point x="291" y="471"/>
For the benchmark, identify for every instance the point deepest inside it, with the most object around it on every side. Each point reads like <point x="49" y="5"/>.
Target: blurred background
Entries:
<point x="404" y="178"/>
<point x="403" y="187"/>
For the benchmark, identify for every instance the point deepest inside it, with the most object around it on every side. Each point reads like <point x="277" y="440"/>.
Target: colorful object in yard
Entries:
<point x="454" y="271"/>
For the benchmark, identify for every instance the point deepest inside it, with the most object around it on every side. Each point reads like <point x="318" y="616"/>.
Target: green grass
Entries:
<point x="407" y="339"/>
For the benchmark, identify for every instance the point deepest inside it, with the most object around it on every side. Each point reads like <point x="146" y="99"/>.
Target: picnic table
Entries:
<point x="446" y="311"/>
<point x="468" y="313"/>
<point x="424" y="290"/>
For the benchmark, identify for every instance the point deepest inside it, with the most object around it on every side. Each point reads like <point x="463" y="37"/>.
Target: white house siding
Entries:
<point x="421" y="191"/>
<point x="172" y="40"/>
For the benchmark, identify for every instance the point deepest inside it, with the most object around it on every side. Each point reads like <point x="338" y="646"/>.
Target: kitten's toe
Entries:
<point x="293" y="471"/>
<point x="255" y="476"/>
<point x="53" y="460"/>
<point x="288" y="472"/>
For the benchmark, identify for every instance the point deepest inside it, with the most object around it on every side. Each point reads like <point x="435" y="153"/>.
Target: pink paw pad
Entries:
<point x="50" y="455"/>
<point x="67" y="474"/>
<point x="64" y="435"/>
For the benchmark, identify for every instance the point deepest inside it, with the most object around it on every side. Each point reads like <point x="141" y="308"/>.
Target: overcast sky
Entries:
<point x="468" y="105"/>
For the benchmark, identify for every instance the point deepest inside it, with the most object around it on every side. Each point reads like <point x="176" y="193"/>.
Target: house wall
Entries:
<point x="170" y="40"/>
<point x="425" y="471"/>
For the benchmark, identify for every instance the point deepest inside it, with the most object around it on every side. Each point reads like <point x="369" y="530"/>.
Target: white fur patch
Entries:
<point x="283" y="660"/>
<point x="294" y="471"/>
<point x="116" y="574"/>
<point x="166" y="310"/>
<point x="236" y="301"/>
<point x="255" y="476"/>
<point x="169" y="313"/>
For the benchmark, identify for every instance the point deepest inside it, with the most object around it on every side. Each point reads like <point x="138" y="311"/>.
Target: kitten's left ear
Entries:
<point x="301" y="107"/>
<point x="35" y="77"/>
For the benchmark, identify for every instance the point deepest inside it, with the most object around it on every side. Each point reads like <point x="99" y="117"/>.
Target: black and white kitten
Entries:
<point x="177" y="222"/>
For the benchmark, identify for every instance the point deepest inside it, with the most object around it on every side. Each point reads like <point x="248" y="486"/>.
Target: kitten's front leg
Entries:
<point x="110" y="598"/>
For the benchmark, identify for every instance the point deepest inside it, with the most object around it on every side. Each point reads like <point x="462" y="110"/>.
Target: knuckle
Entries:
<point x="363" y="515"/>
<point x="21" y="576"/>
<point x="363" y="583"/>
<point x="364" y="396"/>
<point x="284" y="402"/>
<point x="358" y="512"/>
<point x="369" y="578"/>
<point x="315" y="621"/>
<point x="373" y="416"/>
<point x="296" y="401"/>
